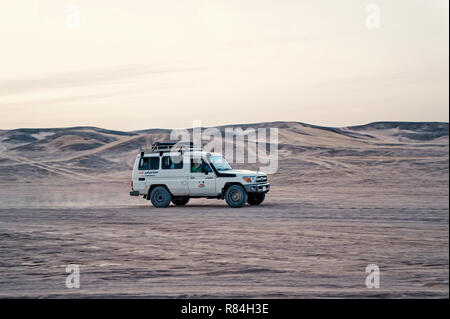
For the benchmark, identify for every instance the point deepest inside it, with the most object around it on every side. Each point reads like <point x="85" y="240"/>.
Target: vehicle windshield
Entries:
<point x="220" y="163"/>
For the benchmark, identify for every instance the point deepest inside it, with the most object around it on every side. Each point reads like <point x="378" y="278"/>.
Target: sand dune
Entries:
<point x="83" y="148"/>
<point x="342" y="198"/>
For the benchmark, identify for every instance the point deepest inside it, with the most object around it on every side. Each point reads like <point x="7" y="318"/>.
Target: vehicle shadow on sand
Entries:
<point x="207" y="206"/>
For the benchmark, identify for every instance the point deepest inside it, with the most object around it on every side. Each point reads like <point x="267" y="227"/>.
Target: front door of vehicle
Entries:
<point x="202" y="181"/>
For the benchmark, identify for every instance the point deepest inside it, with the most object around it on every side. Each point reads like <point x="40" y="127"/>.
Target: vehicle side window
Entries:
<point x="167" y="163"/>
<point x="206" y="168"/>
<point x="148" y="163"/>
<point x="154" y="163"/>
<point x="198" y="166"/>
<point x="144" y="163"/>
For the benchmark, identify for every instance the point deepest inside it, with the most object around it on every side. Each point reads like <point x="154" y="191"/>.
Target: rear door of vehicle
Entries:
<point x="146" y="169"/>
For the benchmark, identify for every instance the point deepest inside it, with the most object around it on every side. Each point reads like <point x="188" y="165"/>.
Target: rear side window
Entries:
<point x="148" y="163"/>
<point x="168" y="163"/>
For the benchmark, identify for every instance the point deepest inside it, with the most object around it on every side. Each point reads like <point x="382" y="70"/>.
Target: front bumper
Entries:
<point x="134" y="193"/>
<point x="257" y="188"/>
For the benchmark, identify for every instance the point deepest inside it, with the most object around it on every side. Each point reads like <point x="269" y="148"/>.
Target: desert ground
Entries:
<point x="341" y="199"/>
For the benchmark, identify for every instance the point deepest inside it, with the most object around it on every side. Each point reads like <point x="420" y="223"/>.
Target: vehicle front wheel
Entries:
<point x="256" y="199"/>
<point x="235" y="196"/>
<point x="180" y="201"/>
<point x="160" y="197"/>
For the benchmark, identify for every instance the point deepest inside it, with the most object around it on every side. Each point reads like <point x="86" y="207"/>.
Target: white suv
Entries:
<point x="169" y="172"/>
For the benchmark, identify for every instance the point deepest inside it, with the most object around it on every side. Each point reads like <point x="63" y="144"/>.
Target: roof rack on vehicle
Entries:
<point x="163" y="147"/>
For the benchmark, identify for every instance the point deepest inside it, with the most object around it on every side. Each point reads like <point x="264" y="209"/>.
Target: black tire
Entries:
<point x="180" y="201"/>
<point x="160" y="197"/>
<point x="256" y="199"/>
<point x="235" y="196"/>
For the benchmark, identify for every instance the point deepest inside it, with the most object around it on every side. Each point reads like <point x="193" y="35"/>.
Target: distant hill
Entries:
<point x="82" y="151"/>
<point x="422" y="131"/>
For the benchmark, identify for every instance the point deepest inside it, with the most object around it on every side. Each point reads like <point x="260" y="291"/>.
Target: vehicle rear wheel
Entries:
<point x="256" y="199"/>
<point x="160" y="197"/>
<point x="180" y="201"/>
<point x="235" y="196"/>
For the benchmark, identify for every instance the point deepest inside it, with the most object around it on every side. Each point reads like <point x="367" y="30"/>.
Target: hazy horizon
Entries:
<point x="149" y="64"/>
<point x="218" y="125"/>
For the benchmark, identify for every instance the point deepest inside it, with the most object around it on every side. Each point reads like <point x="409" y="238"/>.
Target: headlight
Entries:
<point x="250" y="179"/>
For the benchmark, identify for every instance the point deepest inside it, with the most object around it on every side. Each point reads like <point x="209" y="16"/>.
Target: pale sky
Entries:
<point x="142" y="64"/>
